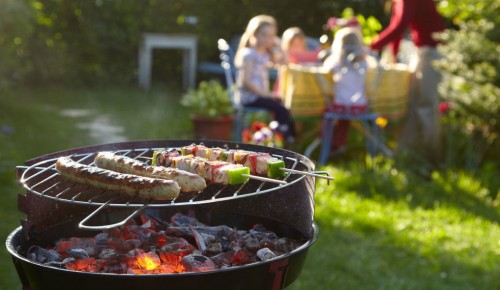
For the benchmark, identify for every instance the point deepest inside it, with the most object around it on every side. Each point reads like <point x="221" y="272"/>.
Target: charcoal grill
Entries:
<point x="56" y="207"/>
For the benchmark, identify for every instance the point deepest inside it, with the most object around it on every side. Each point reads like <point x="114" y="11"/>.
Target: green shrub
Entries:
<point x="210" y="99"/>
<point x="15" y="28"/>
<point x="471" y="82"/>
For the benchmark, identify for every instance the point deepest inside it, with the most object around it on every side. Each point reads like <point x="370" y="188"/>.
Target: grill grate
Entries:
<point x="50" y="198"/>
<point x="42" y="179"/>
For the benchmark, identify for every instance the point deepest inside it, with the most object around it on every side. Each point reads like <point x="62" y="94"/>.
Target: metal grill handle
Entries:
<point x="82" y="224"/>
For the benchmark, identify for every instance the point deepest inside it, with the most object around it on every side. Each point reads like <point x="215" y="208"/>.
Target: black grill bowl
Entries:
<point x="287" y="210"/>
<point x="273" y="274"/>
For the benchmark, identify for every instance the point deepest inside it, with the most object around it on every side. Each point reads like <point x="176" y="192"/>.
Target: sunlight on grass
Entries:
<point x="383" y="233"/>
<point x="460" y="181"/>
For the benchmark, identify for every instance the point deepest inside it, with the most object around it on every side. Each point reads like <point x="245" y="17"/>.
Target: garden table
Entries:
<point x="308" y="93"/>
<point x="185" y="42"/>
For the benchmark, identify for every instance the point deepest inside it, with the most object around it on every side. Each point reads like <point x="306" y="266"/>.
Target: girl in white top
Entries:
<point x="348" y="62"/>
<point x="253" y="59"/>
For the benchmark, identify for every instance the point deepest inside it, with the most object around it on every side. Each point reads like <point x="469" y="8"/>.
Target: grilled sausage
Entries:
<point x="189" y="182"/>
<point x="132" y="185"/>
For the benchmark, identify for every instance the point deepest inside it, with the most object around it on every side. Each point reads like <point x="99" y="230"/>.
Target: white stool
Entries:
<point x="186" y="42"/>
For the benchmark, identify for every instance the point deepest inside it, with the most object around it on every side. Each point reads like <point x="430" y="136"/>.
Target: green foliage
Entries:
<point x="96" y="42"/>
<point x="461" y="10"/>
<point x="15" y="28"/>
<point x="210" y="99"/>
<point x="471" y="82"/>
<point x="370" y="26"/>
<point x="470" y="67"/>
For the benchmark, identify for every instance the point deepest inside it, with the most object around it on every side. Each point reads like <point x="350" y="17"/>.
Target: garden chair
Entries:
<point x="371" y="131"/>
<point x="242" y="113"/>
<point x="368" y="121"/>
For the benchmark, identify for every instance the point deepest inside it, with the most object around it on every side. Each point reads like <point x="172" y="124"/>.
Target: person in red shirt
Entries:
<point x="422" y="131"/>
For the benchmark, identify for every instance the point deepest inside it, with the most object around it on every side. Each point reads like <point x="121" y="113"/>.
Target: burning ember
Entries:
<point x="157" y="247"/>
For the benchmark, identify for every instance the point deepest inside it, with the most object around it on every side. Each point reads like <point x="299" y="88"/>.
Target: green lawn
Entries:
<point x="389" y="230"/>
<point x="380" y="228"/>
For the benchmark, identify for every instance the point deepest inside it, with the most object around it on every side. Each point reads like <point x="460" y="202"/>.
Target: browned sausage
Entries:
<point x="189" y="182"/>
<point x="132" y="185"/>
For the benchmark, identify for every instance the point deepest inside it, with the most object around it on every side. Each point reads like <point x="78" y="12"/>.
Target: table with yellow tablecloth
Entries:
<point x="303" y="92"/>
<point x="307" y="90"/>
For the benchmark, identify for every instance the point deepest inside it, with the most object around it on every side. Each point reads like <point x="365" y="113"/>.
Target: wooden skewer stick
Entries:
<point x="325" y="176"/>
<point x="264" y="179"/>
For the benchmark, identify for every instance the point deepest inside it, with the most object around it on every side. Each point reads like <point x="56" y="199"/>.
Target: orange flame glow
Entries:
<point x="148" y="262"/>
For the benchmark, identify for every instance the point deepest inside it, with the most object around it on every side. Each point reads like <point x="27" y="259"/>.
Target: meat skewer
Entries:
<point x="128" y="184"/>
<point x="213" y="171"/>
<point x="259" y="163"/>
<point x="189" y="182"/>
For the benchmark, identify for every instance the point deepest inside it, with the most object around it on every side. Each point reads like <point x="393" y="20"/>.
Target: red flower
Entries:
<point x="256" y="126"/>
<point x="262" y="134"/>
<point x="246" y="136"/>
<point x="444" y="107"/>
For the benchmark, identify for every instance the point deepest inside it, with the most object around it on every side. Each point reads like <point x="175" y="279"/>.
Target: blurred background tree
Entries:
<point x="471" y="83"/>
<point x="96" y="42"/>
<point x="16" y="25"/>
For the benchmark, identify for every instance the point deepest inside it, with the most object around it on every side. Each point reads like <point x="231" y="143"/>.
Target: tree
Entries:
<point x="471" y="83"/>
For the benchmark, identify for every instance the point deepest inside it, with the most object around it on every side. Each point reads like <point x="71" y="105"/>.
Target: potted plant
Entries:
<point x="212" y="112"/>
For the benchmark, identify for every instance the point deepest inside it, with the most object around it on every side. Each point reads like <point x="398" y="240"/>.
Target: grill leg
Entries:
<point x="279" y="269"/>
<point x="314" y="144"/>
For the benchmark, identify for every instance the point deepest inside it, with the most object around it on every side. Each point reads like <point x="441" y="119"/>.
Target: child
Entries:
<point x="348" y="62"/>
<point x="252" y="59"/>
<point x="293" y="43"/>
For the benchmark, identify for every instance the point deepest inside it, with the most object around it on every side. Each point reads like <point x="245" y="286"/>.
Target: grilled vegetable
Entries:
<point x="231" y="174"/>
<point x="128" y="184"/>
<point x="213" y="171"/>
<point x="188" y="182"/>
<point x="259" y="163"/>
